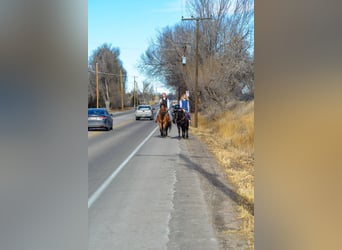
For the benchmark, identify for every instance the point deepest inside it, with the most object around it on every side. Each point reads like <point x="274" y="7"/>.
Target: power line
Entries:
<point x="106" y="73"/>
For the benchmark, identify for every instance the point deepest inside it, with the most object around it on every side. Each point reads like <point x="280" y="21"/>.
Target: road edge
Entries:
<point x="219" y="196"/>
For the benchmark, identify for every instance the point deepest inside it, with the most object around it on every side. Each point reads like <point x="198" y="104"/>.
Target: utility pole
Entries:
<point x="134" y="92"/>
<point x="135" y="95"/>
<point x="182" y="89"/>
<point x="122" y="91"/>
<point x="97" y="86"/>
<point x="197" y="19"/>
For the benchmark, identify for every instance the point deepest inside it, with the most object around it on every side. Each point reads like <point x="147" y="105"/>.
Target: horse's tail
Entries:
<point x="169" y="122"/>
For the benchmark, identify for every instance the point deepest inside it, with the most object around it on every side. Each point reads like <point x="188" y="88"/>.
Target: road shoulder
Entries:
<point x="219" y="195"/>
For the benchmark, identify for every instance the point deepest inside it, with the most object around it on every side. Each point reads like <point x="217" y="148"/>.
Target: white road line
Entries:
<point x="105" y="184"/>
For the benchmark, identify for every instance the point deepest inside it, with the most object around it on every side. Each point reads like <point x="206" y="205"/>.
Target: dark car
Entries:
<point x="174" y="103"/>
<point x="99" y="118"/>
<point x="144" y="111"/>
<point x="176" y="106"/>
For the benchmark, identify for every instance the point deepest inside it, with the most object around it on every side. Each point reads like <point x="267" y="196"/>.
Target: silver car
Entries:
<point x="99" y="118"/>
<point x="144" y="111"/>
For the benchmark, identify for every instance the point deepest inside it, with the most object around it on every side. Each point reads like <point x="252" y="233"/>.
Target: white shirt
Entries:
<point x="167" y="101"/>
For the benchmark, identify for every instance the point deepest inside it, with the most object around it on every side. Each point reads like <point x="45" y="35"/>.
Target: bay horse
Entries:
<point x="164" y="120"/>
<point x="182" y="122"/>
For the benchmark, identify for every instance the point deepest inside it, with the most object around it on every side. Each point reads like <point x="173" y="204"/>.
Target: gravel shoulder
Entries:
<point x="219" y="195"/>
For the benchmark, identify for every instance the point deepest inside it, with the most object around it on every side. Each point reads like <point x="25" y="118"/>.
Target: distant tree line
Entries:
<point x="226" y="54"/>
<point x="109" y="85"/>
<point x="109" y="82"/>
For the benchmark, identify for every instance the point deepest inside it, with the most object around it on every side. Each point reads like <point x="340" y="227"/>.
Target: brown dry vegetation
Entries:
<point x="230" y="137"/>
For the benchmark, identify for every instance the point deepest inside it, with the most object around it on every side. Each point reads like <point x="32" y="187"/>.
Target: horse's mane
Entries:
<point x="162" y="107"/>
<point x="180" y="116"/>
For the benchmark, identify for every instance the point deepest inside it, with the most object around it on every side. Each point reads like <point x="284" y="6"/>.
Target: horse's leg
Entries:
<point x="169" y="123"/>
<point x="163" y="127"/>
<point x="187" y="130"/>
<point x="178" y="126"/>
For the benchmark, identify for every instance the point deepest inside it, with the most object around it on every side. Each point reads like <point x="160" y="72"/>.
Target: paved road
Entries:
<point x="156" y="201"/>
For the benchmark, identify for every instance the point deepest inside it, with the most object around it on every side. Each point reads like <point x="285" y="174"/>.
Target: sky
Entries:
<point x="130" y="25"/>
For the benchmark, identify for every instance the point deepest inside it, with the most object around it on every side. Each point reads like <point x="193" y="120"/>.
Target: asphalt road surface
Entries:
<point x="148" y="192"/>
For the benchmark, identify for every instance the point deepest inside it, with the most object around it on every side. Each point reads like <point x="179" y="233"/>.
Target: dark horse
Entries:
<point x="164" y="121"/>
<point x="182" y="122"/>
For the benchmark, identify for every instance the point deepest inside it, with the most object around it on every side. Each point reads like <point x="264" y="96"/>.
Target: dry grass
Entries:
<point x="230" y="137"/>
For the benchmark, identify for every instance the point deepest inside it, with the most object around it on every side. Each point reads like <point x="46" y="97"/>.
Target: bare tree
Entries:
<point x="109" y="67"/>
<point x="225" y="52"/>
<point x="147" y="96"/>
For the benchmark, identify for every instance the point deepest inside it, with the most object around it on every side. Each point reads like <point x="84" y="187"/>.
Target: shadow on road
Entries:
<point x="212" y="178"/>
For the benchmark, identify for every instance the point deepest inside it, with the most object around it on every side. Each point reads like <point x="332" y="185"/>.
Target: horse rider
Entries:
<point x="166" y="102"/>
<point x="185" y="105"/>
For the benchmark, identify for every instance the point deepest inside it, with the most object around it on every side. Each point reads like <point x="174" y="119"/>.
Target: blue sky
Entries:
<point x="130" y="25"/>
